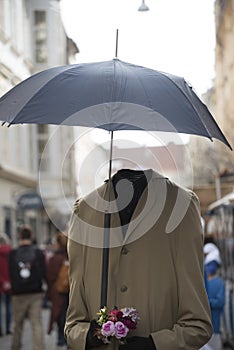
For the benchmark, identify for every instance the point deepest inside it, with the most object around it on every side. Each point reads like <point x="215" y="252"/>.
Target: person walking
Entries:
<point x="56" y="294"/>
<point x="27" y="272"/>
<point x="5" y="286"/>
<point x="216" y="294"/>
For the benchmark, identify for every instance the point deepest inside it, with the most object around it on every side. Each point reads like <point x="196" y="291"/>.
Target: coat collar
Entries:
<point x="87" y="226"/>
<point x="152" y="199"/>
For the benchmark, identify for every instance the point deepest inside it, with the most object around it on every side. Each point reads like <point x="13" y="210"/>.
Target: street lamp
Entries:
<point x="143" y="6"/>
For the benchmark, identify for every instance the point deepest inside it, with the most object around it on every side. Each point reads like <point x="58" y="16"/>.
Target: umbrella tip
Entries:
<point x="116" y="43"/>
<point x="5" y="124"/>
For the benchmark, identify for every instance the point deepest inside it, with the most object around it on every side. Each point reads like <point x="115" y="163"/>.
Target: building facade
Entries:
<point x="32" y="38"/>
<point x="224" y="81"/>
<point x="212" y="161"/>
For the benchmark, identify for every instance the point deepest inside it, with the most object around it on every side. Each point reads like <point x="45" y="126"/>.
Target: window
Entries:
<point x="41" y="52"/>
<point x="2" y="17"/>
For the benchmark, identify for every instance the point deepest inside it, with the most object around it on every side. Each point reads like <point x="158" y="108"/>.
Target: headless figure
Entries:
<point x="128" y="187"/>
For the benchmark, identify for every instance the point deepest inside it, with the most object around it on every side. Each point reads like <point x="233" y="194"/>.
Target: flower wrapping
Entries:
<point x="116" y="323"/>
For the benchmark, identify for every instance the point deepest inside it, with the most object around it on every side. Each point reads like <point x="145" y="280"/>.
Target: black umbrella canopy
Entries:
<point x="113" y="95"/>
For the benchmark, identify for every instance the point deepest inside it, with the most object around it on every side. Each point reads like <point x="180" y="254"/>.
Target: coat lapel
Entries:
<point x="116" y="237"/>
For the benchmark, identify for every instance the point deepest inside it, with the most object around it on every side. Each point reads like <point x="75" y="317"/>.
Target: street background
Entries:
<point x="43" y="169"/>
<point x="50" y="340"/>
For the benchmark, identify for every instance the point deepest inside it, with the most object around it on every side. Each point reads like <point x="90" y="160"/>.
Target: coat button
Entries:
<point x="124" y="251"/>
<point x="123" y="288"/>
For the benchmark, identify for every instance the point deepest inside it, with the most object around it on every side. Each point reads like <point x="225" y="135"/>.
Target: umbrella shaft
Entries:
<point x="110" y="160"/>
<point x="106" y="239"/>
<point x="105" y="260"/>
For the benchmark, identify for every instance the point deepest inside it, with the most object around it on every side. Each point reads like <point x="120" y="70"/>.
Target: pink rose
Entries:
<point x="115" y="314"/>
<point x="120" y="330"/>
<point x="108" y="329"/>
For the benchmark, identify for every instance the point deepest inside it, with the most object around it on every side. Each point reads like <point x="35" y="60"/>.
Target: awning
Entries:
<point x="226" y="200"/>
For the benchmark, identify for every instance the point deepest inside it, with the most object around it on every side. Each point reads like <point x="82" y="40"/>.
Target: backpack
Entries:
<point x="62" y="281"/>
<point x="25" y="270"/>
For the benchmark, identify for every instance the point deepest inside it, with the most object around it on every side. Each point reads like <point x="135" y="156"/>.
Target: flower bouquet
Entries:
<point x="116" y="323"/>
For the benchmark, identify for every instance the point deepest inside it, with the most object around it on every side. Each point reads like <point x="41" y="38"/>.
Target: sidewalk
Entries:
<point x="50" y="340"/>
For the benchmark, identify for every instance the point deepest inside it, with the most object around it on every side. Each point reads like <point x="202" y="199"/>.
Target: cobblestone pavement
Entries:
<point x="50" y="340"/>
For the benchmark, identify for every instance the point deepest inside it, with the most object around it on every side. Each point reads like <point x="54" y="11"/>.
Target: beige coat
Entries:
<point x="157" y="268"/>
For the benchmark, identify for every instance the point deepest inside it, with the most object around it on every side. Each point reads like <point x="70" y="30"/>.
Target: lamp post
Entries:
<point x="143" y="7"/>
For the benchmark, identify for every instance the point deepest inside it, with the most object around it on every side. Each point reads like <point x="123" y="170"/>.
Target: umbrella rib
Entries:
<point x="222" y="137"/>
<point x="191" y="104"/>
<point x="143" y="87"/>
<point x="181" y="90"/>
<point x="39" y="89"/>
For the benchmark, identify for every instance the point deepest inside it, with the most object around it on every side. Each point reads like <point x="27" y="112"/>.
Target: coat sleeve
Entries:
<point x="77" y="322"/>
<point x="193" y="327"/>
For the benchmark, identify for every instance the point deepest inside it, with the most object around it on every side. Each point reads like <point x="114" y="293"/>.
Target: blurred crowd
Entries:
<point x="31" y="279"/>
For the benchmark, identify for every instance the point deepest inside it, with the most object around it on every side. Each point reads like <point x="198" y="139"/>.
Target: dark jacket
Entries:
<point x="57" y="299"/>
<point x="33" y="260"/>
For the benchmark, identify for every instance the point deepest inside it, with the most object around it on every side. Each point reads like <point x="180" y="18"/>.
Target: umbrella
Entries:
<point x="112" y="95"/>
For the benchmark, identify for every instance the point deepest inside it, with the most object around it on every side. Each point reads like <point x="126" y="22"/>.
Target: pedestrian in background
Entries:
<point x="5" y="286"/>
<point x="27" y="272"/>
<point x="58" y="297"/>
<point x="216" y="294"/>
<point x="211" y="253"/>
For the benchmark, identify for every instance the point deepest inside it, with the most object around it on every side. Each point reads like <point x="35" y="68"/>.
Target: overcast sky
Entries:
<point x="175" y="36"/>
